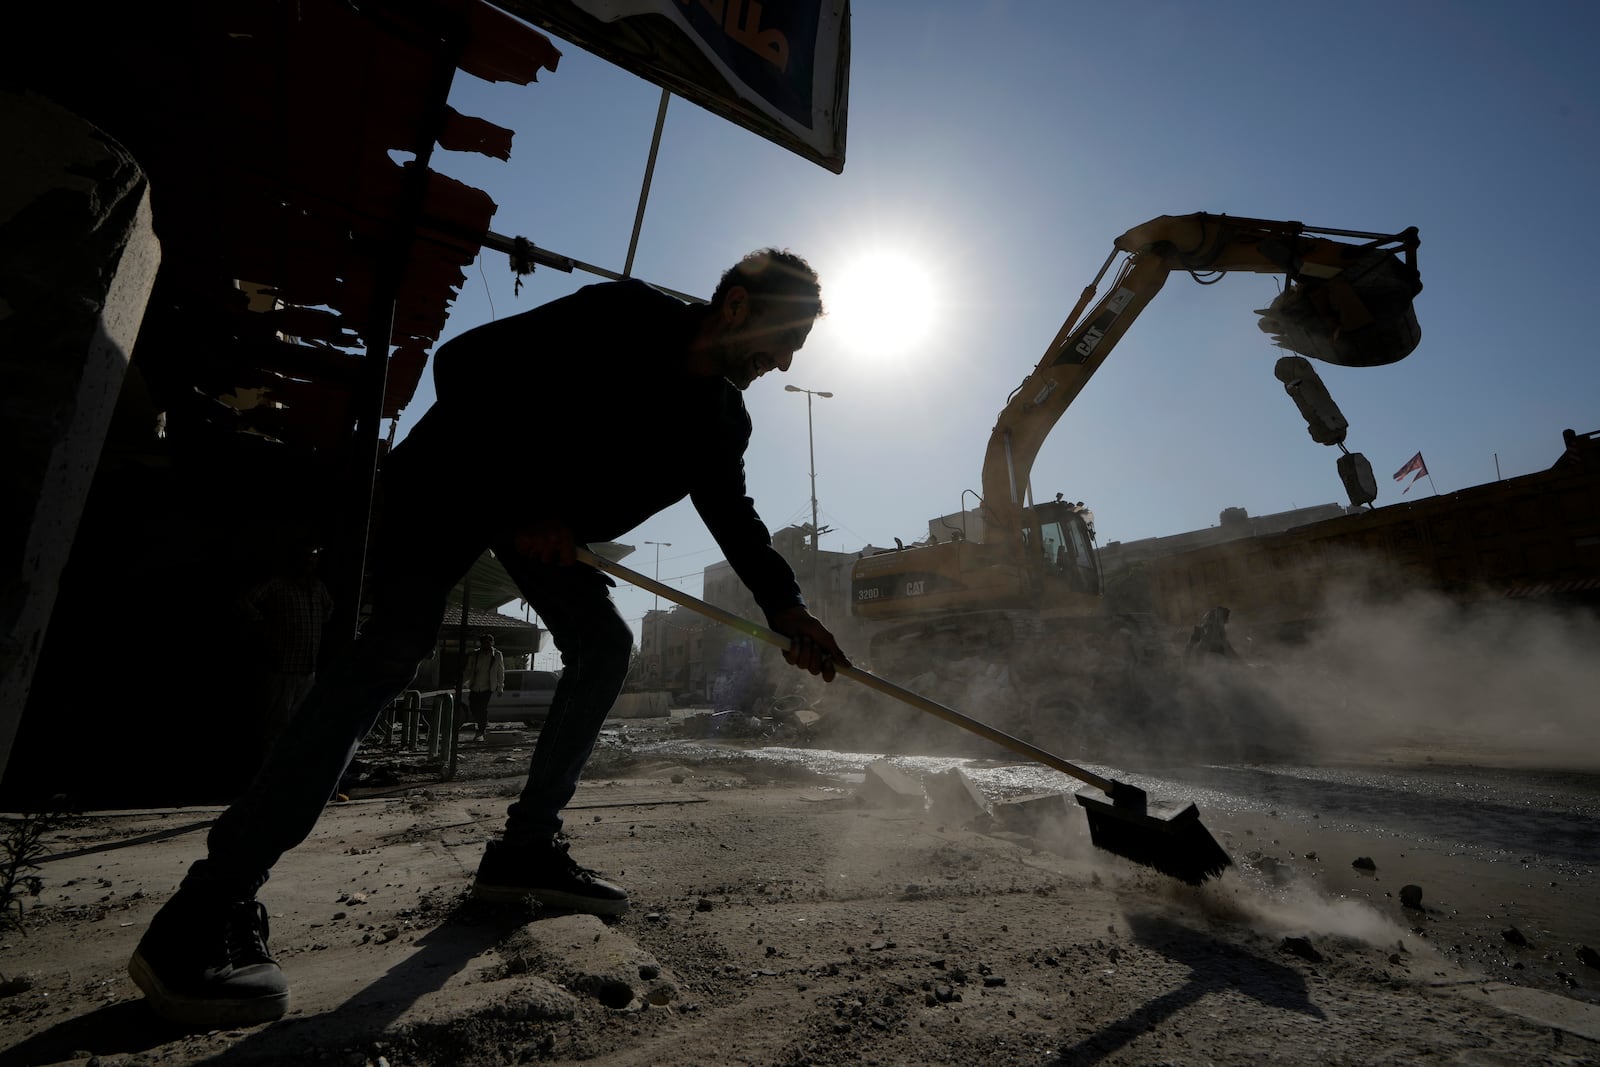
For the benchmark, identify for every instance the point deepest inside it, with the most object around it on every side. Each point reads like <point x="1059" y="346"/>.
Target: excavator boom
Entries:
<point x="1347" y="300"/>
<point x="1010" y="597"/>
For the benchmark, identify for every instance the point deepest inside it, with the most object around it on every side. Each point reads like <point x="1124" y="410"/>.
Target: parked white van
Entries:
<point x="526" y="698"/>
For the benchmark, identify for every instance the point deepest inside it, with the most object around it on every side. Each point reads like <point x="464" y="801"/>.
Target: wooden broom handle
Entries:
<point x="866" y="678"/>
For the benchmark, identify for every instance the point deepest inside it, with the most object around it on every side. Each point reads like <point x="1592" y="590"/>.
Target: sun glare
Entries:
<point x="882" y="304"/>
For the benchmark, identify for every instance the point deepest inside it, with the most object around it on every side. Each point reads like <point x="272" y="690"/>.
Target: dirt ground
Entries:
<point x="784" y="918"/>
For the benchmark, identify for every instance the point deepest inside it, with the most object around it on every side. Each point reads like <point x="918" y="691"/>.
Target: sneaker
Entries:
<point x="511" y="873"/>
<point x="478" y="736"/>
<point x="206" y="965"/>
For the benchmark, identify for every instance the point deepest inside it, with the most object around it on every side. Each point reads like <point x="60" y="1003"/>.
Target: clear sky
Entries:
<point x="1000" y="148"/>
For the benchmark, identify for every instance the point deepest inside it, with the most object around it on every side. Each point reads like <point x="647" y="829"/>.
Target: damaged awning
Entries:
<point x="287" y="149"/>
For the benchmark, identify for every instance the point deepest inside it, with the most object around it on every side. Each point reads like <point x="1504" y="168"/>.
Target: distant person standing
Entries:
<point x="484" y="677"/>
<point x="286" y="614"/>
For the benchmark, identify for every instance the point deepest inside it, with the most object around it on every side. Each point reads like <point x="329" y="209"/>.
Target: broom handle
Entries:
<point x="866" y="678"/>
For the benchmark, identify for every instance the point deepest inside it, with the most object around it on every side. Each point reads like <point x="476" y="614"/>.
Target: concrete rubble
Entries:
<point x="886" y="785"/>
<point x="955" y="798"/>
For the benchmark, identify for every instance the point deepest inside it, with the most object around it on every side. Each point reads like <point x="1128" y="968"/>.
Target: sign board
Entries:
<point x="780" y="69"/>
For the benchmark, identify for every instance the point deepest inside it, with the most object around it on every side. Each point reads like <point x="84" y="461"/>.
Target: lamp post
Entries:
<point x="811" y="447"/>
<point x="659" y="546"/>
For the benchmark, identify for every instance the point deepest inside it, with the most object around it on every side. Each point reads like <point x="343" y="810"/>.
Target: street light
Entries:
<point x="659" y="546"/>
<point x="812" y="448"/>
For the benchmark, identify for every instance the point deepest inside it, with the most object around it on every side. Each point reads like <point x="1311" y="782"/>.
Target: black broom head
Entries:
<point x="1177" y="845"/>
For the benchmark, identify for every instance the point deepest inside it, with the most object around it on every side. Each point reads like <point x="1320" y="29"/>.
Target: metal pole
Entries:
<point x="659" y="546"/>
<point x="649" y="170"/>
<point x="811" y="448"/>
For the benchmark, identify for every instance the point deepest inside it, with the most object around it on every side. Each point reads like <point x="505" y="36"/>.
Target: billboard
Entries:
<point x="780" y="69"/>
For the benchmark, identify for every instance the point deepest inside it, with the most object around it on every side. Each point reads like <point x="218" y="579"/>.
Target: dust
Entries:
<point x="1371" y="673"/>
<point x="1297" y="909"/>
<point x="1422" y="676"/>
<point x="1302" y="908"/>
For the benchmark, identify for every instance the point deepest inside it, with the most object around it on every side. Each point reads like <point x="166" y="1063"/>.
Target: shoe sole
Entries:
<point x="208" y="1012"/>
<point x="548" y="898"/>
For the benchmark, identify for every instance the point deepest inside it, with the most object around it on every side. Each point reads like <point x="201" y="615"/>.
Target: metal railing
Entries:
<point x="431" y="734"/>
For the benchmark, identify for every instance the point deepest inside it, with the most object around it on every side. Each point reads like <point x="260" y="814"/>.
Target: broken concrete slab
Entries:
<point x="1040" y="815"/>
<point x="954" y="797"/>
<point x="887" y="786"/>
<point x="1546" y="1009"/>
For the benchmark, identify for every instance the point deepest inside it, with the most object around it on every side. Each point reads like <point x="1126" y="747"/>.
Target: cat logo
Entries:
<point x="1078" y="349"/>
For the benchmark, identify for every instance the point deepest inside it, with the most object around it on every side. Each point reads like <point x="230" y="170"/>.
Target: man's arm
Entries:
<point x="813" y="647"/>
<point x="730" y="516"/>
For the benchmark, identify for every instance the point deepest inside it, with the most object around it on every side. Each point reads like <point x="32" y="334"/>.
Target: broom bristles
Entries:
<point x="1179" y="846"/>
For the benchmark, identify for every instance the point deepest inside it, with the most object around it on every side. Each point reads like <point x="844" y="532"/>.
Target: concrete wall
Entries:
<point x="80" y="258"/>
<point x="652" y="705"/>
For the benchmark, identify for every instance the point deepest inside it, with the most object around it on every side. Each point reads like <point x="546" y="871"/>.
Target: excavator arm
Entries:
<point x="1347" y="300"/>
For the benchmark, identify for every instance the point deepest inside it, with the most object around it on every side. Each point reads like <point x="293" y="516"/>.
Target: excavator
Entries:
<point x="1015" y="583"/>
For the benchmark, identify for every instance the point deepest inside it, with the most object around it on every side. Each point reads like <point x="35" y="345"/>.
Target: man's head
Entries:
<point x="486" y="641"/>
<point x="761" y="313"/>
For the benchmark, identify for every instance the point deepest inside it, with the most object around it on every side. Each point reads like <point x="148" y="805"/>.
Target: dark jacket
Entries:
<point x="588" y="396"/>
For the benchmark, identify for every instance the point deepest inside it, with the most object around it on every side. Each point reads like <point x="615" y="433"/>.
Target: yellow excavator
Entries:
<point x="1015" y="583"/>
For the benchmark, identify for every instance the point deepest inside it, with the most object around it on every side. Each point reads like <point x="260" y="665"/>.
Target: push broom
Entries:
<point x="1120" y="822"/>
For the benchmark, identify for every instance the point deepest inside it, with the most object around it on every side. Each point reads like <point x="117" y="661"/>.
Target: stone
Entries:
<point x="1300" y="946"/>
<point x="954" y="797"/>
<point x="887" y="786"/>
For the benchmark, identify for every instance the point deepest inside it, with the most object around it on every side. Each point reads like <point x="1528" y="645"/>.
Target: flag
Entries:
<point x="1413" y="464"/>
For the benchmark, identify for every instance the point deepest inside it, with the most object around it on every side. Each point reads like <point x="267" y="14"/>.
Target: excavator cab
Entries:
<point x="1066" y="561"/>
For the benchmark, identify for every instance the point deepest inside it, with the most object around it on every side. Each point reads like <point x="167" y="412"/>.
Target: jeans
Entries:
<point x="478" y="708"/>
<point x="417" y="560"/>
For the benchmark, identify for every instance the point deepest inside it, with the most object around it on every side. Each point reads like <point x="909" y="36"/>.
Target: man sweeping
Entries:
<point x="630" y="401"/>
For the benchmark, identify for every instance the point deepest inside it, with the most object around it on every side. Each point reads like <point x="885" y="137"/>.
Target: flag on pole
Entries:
<point x="1413" y="464"/>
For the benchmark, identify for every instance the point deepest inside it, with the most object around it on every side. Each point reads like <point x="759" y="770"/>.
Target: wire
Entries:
<point x="486" y="290"/>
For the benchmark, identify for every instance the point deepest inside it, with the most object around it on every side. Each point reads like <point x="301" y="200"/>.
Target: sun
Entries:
<point x="881" y="304"/>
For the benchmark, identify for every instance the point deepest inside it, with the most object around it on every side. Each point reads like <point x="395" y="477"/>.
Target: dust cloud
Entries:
<point x="1299" y="909"/>
<point x="1422" y="677"/>
<point x="1417" y="677"/>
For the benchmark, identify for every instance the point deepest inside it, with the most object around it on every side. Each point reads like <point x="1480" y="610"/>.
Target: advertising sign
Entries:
<point x="779" y="69"/>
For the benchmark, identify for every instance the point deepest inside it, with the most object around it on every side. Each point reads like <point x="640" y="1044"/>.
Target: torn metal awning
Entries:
<point x="287" y="150"/>
<point x="488" y="586"/>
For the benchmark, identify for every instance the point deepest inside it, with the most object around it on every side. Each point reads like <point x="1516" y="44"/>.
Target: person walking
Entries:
<point x="638" y="397"/>
<point x="484" y="677"/>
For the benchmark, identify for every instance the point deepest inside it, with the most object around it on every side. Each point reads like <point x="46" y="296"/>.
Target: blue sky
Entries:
<point x="1003" y="146"/>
